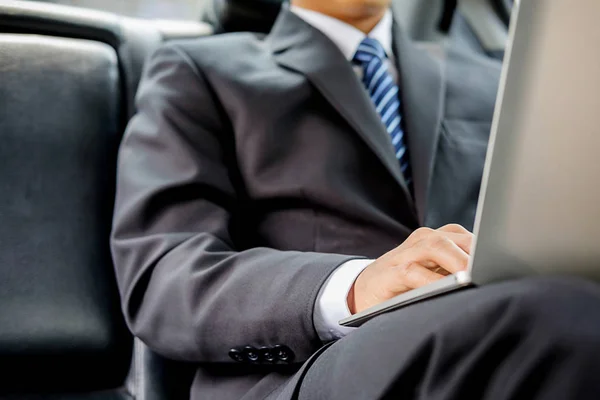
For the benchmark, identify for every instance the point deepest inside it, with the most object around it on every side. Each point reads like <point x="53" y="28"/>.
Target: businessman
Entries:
<point x="270" y="186"/>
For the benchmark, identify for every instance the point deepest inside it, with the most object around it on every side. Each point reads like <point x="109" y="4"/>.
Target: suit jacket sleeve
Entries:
<point x="186" y="291"/>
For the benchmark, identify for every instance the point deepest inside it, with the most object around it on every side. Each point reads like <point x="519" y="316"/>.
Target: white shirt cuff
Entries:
<point x="332" y="303"/>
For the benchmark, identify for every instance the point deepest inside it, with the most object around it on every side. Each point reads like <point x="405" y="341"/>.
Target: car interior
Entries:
<point x="68" y="78"/>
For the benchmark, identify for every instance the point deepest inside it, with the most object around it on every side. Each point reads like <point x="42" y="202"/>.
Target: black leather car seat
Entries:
<point x="483" y="30"/>
<point x="241" y="15"/>
<point x="67" y="81"/>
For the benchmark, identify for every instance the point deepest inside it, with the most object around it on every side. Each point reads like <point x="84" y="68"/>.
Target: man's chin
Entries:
<point x="359" y="10"/>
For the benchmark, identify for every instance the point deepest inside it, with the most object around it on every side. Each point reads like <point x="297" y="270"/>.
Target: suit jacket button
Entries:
<point x="251" y="354"/>
<point x="284" y="354"/>
<point x="267" y="355"/>
<point x="236" y="355"/>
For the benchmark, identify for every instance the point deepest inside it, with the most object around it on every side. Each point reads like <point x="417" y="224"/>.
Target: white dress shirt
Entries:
<point x="348" y="38"/>
<point x="332" y="305"/>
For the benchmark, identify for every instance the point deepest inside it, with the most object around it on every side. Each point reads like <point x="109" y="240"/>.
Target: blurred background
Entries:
<point x="478" y="25"/>
<point x="163" y="9"/>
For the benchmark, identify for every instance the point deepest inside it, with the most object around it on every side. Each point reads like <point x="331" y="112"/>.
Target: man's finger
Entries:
<point x="445" y="252"/>
<point x="439" y="270"/>
<point x="464" y="241"/>
<point x="454" y="228"/>
<point x="415" y="276"/>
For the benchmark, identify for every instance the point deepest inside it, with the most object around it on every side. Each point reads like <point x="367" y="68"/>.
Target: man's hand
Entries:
<point x="426" y="256"/>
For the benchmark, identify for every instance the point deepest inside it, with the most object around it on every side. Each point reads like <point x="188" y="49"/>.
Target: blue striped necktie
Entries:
<point x="384" y="93"/>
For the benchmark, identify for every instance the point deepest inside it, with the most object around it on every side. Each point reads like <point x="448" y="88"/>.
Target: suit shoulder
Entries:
<point x="221" y="49"/>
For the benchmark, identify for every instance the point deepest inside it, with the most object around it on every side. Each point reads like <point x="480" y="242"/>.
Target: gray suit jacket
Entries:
<point x="256" y="166"/>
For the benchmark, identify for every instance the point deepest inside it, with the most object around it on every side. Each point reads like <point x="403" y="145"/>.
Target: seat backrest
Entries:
<point x="67" y="81"/>
<point x="241" y="15"/>
<point x="60" y="120"/>
<point x="421" y="19"/>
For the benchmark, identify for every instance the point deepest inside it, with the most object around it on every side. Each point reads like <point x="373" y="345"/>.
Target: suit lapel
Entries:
<point x="422" y="90"/>
<point x="302" y="48"/>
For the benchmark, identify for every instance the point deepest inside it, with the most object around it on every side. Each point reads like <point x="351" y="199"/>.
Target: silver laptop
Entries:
<point x="539" y="208"/>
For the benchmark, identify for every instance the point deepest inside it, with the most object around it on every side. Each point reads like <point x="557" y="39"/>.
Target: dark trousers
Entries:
<point x="528" y="339"/>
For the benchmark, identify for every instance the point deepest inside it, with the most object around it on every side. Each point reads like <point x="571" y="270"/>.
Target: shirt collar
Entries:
<point x="345" y="36"/>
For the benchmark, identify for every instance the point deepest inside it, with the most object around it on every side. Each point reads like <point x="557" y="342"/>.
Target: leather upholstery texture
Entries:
<point x="153" y="377"/>
<point x="59" y="128"/>
<point x="241" y="15"/>
<point x="103" y="395"/>
<point x="68" y="78"/>
<point x="133" y="39"/>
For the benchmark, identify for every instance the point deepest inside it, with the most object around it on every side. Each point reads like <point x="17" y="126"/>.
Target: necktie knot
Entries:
<point x="369" y="50"/>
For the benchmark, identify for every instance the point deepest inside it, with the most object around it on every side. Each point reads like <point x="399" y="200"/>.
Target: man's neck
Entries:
<point x="364" y="22"/>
